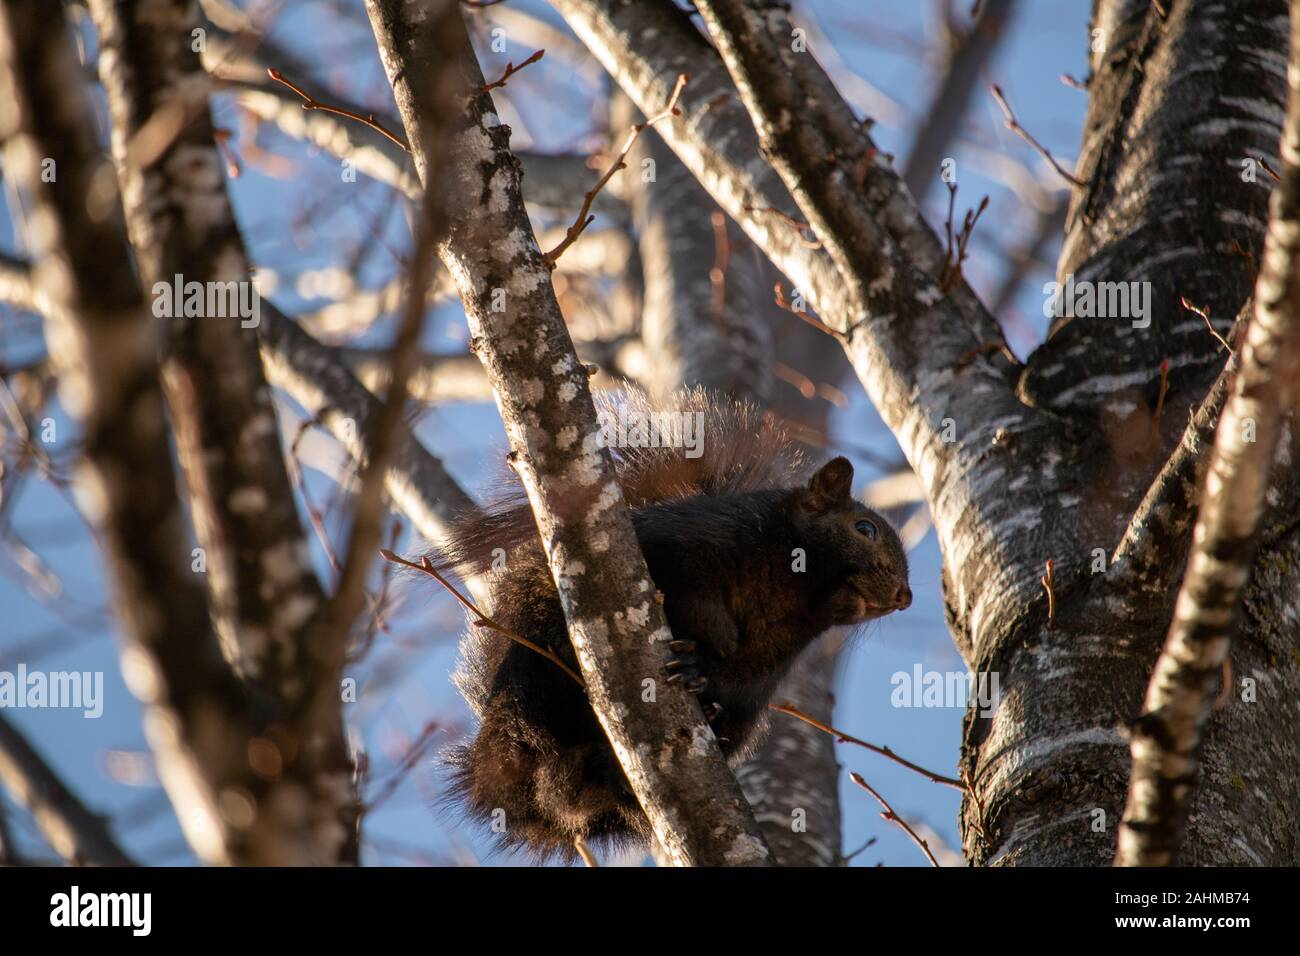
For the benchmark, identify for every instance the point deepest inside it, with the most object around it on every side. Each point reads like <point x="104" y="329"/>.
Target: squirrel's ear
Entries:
<point x="832" y="485"/>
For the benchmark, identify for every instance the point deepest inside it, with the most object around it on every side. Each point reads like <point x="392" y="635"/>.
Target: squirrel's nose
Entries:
<point x="903" y="598"/>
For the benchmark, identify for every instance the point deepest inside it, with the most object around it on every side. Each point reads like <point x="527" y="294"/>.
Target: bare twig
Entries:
<point x="1225" y="692"/>
<point x="409" y="759"/>
<point x="843" y="738"/>
<point x="722" y="256"/>
<point x="989" y="348"/>
<point x="967" y="56"/>
<point x="1160" y="402"/>
<point x="584" y="851"/>
<point x="510" y="71"/>
<point x="584" y="219"/>
<point x="871" y="841"/>
<point x="1204" y="313"/>
<point x="481" y="619"/>
<point x="958" y="240"/>
<point x="807" y="388"/>
<point x="1015" y="127"/>
<point x="781" y="303"/>
<point x="799" y="225"/>
<point x="893" y="817"/>
<point x="309" y="103"/>
<point x="974" y="795"/>
<point x="317" y="520"/>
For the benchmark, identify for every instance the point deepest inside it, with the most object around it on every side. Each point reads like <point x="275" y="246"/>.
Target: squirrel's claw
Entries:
<point x="683" y="664"/>
<point x="711" y="711"/>
<point x="681" y="670"/>
<point x="682" y="667"/>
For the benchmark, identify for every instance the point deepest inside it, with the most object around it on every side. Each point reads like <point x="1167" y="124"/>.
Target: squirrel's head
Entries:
<point x="854" y="551"/>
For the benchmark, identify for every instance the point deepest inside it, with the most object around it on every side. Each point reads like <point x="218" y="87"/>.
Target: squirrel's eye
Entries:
<point x="866" y="527"/>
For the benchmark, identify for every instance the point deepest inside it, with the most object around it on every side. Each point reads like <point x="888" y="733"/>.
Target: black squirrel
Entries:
<point x="754" y="557"/>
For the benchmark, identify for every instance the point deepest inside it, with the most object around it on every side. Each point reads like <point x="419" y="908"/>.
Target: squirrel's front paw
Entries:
<point x="683" y="668"/>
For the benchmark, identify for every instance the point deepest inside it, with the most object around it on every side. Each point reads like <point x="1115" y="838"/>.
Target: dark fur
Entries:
<point x="718" y="533"/>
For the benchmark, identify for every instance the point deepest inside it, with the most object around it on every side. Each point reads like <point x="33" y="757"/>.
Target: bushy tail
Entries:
<point x="740" y="449"/>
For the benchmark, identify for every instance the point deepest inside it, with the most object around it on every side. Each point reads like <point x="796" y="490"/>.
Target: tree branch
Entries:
<point x="183" y="229"/>
<point x="554" y="180"/>
<point x="670" y="756"/>
<point x="75" y="833"/>
<point x="418" y="483"/>
<point x="1167" y="736"/>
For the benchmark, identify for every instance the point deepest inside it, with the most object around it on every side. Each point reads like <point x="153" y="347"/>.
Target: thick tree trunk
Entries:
<point x="1055" y="470"/>
<point x="1164" y="203"/>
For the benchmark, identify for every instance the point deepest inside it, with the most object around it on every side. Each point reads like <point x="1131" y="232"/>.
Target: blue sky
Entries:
<point x="404" y="682"/>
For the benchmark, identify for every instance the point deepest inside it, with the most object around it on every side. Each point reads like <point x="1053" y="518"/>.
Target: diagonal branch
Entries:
<point x="671" y="759"/>
<point x="1167" y="737"/>
<point x="75" y="832"/>
<point x="338" y="387"/>
<point x="313" y="374"/>
<point x="183" y="229"/>
<point x="1153" y="551"/>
